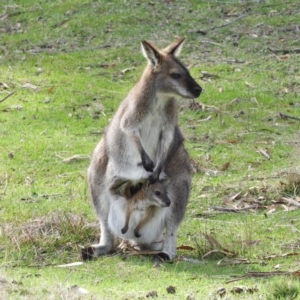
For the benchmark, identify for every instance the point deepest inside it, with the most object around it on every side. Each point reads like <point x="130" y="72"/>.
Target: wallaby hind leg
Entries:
<point x="146" y="217"/>
<point x="101" y="202"/>
<point x="127" y="217"/>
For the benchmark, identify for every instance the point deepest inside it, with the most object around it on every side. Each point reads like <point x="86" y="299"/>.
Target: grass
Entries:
<point x="65" y="62"/>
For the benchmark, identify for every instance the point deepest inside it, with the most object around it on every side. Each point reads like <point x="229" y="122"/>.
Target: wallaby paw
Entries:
<point x="124" y="229"/>
<point x="152" y="179"/>
<point x="137" y="234"/>
<point x="161" y="257"/>
<point x="88" y="253"/>
<point x="147" y="163"/>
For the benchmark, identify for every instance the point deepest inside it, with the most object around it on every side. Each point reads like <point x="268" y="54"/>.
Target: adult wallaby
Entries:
<point x="145" y="200"/>
<point x="143" y="137"/>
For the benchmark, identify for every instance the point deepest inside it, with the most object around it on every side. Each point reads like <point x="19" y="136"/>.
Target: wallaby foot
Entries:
<point x="91" y="252"/>
<point x="136" y="233"/>
<point x="161" y="257"/>
<point x="88" y="253"/>
<point x="124" y="229"/>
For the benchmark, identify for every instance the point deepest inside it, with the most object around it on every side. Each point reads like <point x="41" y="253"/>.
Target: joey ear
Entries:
<point x="175" y="47"/>
<point x="119" y="186"/>
<point x="151" y="53"/>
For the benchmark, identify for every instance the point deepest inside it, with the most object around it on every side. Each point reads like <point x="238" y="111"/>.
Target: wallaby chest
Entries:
<point x="151" y="127"/>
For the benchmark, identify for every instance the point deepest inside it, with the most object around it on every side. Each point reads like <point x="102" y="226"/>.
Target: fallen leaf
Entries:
<point x="264" y="152"/>
<point x="29" y="86"/>
<point x="229" y="198"/>
<point x="50" y="89"/>
<point x="74" y="264"/>
<point x="249" y="84"/>
<point x="226" y="141"/>
<point x="76" y="157"/>
<point x="277" y="266"/>
<point x="126" y="70"/>
<point x="183" y="247"/>
<point x="225" y="166"/>
<point x="4" y="85"/>
<point x="284" y="56"/>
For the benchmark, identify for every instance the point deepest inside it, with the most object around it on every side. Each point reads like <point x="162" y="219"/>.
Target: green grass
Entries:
<point x="64" y="60"/>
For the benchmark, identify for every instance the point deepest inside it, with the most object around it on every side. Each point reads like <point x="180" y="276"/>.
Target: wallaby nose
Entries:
<point x="197" y="90"/>
<point x="167" y="203"/>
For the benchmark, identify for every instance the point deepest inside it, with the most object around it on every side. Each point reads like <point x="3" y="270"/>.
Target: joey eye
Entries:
<point x="157" y="193"/>
<point x="175" y="75"/>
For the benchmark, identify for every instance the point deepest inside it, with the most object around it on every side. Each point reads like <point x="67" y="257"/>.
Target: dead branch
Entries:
<point x="291" y="201"/>
<point x="236" y="210"/>
<point x="284" y="116"/>
<point x="284" y="51"/>
<point x="7" y="96"/>
<point x="264" y="274"/>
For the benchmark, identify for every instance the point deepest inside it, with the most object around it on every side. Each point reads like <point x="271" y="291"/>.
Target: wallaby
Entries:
<point x="144" y="200"/>
<point x="142" y="140"/>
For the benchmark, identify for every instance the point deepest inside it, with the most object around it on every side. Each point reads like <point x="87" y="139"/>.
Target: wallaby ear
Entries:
<point x="175" y="47"/>
<point x="152" y="54"/>
<point x="120" y="186"/>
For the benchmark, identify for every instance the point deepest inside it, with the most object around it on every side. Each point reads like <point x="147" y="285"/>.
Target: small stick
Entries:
<point x="291" y="201"/>
<point x="220" y="208"/>
<point x="274" y="54"/>
<point x="7" y="96"/>
<point x="226" y="24"/>
<point x="285" y="51"/>
<point x="289" y="116"/>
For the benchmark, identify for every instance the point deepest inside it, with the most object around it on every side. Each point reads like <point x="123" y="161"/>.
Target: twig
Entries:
<point x="289" y="116"/>
<point x="7" y="96"/>
<point x="76" y="157"/>
<point x="227" y="209"/>
<point x="274" y="54"/>
<point x="291" y="201"/>
<point x="209" y="253"/>
<point x="278" y="4"/>
<point x="263" y="274"/>
<point x="285" y="51"/>
<point x="204" y="32"/>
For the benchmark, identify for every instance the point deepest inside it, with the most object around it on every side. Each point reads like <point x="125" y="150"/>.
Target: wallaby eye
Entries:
<point x="175" y="75"/>
<point x="157" y="193"/>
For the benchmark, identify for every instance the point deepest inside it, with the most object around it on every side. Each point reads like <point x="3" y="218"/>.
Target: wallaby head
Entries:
<point x="169" y="73"/>
<point x="156" y="193"/>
